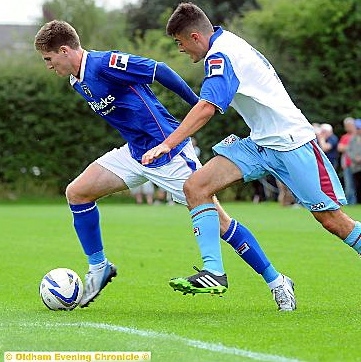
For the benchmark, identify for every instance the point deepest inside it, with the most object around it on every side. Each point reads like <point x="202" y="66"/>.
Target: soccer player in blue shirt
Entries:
<point x="282" y="142"/>
<point x="116" y="86"/>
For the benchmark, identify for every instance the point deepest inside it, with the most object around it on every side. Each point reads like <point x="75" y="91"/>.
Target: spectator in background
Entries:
<point x="285" y="196"/>
<point x="144" y="191"/>
<point x="317" y="127"/>
<point x="197" y="150"/>
<point x="348" y="183"/>
<point x="163" y="197"/>
<point x="354" y="152"/>
<point x="258" y="192"/>
<point x="265" y="189"/>
<point x="328" y="142"/>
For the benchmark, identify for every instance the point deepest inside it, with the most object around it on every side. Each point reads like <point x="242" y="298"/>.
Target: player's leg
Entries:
<point x="247" y="247"/>
<point x="112" y="172"/>
<point x="212" y="278"/>
<point x="200" y="189"/>
<point x="340" y="224"/>
<point x="245" y="244"/>
<point x="148" y="190"/>
<point x="138" y="194"/>
<point x="206" y="227"/>
<point x="314" y="181"/>
<point x="171" y="177"/>
<point x="215" y="175"/>
<point x="349" y="186"/>
<point x="219" y="173"/>
<point x="93" y="183"/>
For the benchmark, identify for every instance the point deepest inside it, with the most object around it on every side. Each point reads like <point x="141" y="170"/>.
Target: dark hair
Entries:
<point x="54" y="34"/>
<point x="188" y="17"/>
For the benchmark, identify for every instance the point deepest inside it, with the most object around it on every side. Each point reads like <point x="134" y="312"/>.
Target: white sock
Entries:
<point x="277" y="282"/>
<point x="96" y="267"/>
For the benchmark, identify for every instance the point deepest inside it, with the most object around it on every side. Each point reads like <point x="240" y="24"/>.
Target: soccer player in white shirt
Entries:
<point x="282" y="142"/>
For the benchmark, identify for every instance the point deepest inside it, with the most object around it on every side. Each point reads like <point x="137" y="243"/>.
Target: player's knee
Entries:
<point x="73" y="194"/>
<point x="69" y="193"/>
<point x="192" y="190"/>
<point x="187" y="188"/>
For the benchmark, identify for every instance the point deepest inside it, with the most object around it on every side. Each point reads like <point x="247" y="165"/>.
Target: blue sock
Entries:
<point x="247" y="247"/>
<point x="354" y="238"/>
<point x="206" y="229"/>
<point x="86" y="223"/>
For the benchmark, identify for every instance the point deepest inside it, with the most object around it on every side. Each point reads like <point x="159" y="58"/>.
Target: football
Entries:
<point x="61" y="289"/>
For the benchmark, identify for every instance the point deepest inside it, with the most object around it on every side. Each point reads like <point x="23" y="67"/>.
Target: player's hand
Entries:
<point x="155" y="153"/>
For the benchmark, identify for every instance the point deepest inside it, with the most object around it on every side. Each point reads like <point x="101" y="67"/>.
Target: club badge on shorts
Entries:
<point x="229" y="140"/>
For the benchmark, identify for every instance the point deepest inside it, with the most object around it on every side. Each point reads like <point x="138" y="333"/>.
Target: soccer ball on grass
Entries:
<point x="61" y="289"/>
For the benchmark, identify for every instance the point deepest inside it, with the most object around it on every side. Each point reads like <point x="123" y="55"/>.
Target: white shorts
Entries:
<point x="169" y="177"/>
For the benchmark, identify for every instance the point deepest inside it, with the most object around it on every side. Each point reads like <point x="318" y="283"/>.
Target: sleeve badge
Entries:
<point x="119" y="61"/>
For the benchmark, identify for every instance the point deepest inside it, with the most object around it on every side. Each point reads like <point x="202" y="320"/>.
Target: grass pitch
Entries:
<point x="138" y="311"/>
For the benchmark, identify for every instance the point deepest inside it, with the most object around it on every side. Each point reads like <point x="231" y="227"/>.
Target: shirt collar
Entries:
<point x="217" y="32"/>
<point x="73" y="79"/>
<point x="82" y="66"/>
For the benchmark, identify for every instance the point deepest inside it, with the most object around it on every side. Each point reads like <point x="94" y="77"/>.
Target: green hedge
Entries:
<point x="48" y="134"/>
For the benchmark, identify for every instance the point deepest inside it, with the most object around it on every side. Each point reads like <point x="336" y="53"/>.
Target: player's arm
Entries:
<point x="173" y="81"/>
<point x="217" y="92"/>
<point x="197" y="117"/>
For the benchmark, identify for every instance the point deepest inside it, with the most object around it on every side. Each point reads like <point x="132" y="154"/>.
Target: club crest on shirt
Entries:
<point x="229" y="140"/>
<point x="215" y="66"/>
<point x="86" y="90"/>
<point x="118" y="61"/>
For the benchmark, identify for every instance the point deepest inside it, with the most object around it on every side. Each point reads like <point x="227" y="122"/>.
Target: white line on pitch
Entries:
<point x="214" y="347"/>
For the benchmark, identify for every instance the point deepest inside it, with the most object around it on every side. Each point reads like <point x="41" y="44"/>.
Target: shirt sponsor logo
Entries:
<point x="104" y="103"/>
<point x="119" y="61"/>
<point x="215" y="66"/>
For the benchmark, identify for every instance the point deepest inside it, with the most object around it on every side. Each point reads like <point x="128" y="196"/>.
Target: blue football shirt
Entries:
<point x="116" y="86"/>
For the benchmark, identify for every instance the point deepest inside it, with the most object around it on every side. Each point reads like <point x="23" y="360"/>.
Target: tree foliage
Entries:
<point x="144" y="15"/>
<point x="315" y="46"/>
<point x="95" y="25"/>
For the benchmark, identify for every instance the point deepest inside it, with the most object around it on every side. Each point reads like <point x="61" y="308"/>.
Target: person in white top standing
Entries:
<point x="282" y="141"/>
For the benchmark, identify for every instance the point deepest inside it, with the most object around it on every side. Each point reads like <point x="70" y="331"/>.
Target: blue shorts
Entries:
<point x="306" y="171"/>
